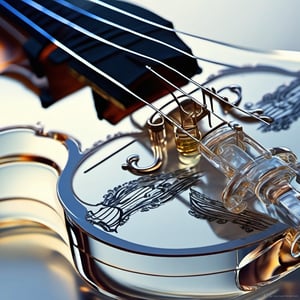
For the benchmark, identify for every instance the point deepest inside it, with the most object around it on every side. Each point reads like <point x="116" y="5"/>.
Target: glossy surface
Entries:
<point x="19" y="99"/>
<point x="145" y="239"/>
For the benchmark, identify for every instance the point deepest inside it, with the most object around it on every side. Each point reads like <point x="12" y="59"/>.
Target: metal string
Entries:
<point x="134" y="32"/>
<point x="214" y="158"/>
<point x="72" y="53"/>
<point x="78" y="28"/>
<point x="60" y="45"/>
<point x="175" y="30"/>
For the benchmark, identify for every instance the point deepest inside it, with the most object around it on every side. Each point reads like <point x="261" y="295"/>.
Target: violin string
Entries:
<point x="206" y="92"/>
<point x="90" y="34"/>
<point x="134" y="32"/>
<point x="72" y="53"/>
<point x="175" y="30"/>
<point x="78" y="28"/>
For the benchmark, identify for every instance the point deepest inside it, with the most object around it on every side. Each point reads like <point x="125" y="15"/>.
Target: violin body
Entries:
<point x="142" y="207"/>
<point x="162" y="232"/>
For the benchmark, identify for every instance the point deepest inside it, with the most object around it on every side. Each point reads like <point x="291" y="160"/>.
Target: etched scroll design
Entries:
<point x="143" y="194"/>
<point x="203" y="207"/>
<point x="283" y="106"/>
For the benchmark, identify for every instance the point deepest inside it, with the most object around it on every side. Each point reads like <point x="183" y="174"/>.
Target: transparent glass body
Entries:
<point x="35" y="255"/>
<point x="253" y="170"/>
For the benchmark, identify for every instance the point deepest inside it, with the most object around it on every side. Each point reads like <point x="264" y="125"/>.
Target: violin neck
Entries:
<point x="59" y="67"/>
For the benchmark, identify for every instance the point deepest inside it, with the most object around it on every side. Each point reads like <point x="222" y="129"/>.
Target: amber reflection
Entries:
<point x="10" y="51"/>
<point x="268" y="263"/>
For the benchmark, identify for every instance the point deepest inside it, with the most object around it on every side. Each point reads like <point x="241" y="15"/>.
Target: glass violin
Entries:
<point x="192" y="197"/>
